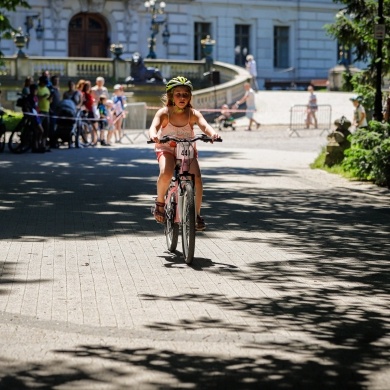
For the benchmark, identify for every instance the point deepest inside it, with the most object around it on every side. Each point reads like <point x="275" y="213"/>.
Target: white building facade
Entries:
<point x="286" y="37"/>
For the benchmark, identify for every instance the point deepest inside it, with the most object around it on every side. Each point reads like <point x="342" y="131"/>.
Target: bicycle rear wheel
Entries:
<point x="171" y="228"/>
<point x="188" y="224"/>
<point x="85" y="134"/>
<point x="21" y="138"/>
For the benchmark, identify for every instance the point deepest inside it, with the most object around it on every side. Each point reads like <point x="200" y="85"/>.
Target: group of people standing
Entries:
<point x="106" y="114"/>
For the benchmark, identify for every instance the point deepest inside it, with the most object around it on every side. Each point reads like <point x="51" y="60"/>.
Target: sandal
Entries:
<point x="159" y="215"/>
<point x="200" y="225"/>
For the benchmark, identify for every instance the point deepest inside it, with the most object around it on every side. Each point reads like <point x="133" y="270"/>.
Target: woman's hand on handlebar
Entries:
<point x="153" y="137"/>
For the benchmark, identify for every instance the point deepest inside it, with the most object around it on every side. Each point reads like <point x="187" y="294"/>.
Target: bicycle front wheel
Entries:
<point x="21" y="138"/>
<point x="188" y="224"/>
<point x="171" y="228"/>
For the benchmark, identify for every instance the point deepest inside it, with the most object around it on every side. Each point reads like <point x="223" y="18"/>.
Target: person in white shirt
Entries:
<point x="250" y="66"/>
<point x="249" y="98"/>
<point x="359" y="115"/>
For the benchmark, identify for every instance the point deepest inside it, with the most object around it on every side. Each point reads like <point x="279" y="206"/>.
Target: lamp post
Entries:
<point x="379" y="36"/>
<point x="156" y="10"/>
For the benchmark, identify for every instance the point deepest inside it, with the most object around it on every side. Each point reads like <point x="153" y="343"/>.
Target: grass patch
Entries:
<point x="319" y="163"/>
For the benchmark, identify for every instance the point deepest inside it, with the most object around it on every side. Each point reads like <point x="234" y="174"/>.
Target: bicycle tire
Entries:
<point x="171" y="228"/>
<point x="21" y="138"/>
<point x="85" y="134"/>
<point x="188" y="224"/>
<point x="2" y="137"/>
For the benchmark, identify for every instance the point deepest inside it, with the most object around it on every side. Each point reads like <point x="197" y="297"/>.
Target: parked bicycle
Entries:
<point x="2" y="130"/>
<point x="180" y="198"/>
<point x="82" y="132"/>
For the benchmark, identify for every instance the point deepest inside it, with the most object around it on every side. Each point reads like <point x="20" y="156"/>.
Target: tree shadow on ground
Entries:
<point x="111" y="367"/>
<point x="7" y="279"/>
<point x="324" y="315"/>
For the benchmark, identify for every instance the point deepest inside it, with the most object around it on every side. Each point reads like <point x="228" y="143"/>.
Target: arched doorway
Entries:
<point x="88" y="36"/>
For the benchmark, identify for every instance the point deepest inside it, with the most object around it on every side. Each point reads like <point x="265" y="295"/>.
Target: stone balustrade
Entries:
<point x="13" y="71"/>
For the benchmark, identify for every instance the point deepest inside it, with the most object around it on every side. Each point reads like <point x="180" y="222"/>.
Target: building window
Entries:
<point x="201" y="32"/>
<point x="241" y="43"/>
<point x="344" y="54"/>
<point x="281" y="47"/>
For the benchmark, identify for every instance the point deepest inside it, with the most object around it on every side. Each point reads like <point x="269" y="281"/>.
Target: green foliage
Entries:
<point x="319" y="163"/>
<point x="6" y="29"/>
<point x="368" y="158"/>
<point x="353" y="27"/>
<point x="11" y="119"/>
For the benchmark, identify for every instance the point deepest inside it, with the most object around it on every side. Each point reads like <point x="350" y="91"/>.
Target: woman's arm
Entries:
<point x="242" y="100"/>
<point x="156" y="124"/>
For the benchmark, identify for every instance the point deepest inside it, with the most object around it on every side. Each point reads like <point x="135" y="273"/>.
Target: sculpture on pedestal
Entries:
<point x="142" y="74"/>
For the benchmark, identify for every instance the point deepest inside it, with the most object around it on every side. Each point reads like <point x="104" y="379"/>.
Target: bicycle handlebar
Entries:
<point x="200" y="137"/>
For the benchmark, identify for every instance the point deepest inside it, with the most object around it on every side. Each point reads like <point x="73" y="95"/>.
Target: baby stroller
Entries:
<point x="225" y="120"/>
<point x="66" y="122"/>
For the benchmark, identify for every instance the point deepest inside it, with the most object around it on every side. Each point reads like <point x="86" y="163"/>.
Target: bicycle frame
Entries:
<point x="181" y="177"/>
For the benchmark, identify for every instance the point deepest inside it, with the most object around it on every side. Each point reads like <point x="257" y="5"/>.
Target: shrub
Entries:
<point x="368" y="158"/>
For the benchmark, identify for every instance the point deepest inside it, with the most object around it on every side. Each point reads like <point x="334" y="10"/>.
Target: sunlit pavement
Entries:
<point x="289" y="288"/>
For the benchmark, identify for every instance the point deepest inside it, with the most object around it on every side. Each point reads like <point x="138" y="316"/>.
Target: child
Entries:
<point x="103" y="123"/>
<point x="119" y="99"/>
<point x="110" y="119"/>
<point x="225" y="119"/>
<point x="359" y="115"/>
<point x="178" y="118"/>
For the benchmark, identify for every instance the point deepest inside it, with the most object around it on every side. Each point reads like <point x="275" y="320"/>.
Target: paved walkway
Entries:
<point x="273" y="107"/>
<point x="289" y="288"/>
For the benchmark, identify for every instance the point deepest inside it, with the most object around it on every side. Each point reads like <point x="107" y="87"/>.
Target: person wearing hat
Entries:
<point x="359" y="115"/>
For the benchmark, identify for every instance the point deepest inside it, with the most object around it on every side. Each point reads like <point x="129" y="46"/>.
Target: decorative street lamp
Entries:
<point x="156" y="11"/>
<point x="20" y="40"/>
<point x="39" y="30"/>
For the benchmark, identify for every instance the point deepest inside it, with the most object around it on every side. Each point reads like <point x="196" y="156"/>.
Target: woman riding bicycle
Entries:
<point x="177" y="118"/>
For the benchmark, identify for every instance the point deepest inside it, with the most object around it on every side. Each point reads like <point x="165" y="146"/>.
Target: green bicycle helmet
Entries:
<point x="178" y="81"/>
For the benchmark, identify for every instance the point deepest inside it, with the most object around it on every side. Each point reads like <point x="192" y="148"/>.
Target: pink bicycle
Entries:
<point x="180" y="198"/>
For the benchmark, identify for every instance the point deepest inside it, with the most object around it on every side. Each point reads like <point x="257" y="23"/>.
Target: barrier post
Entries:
<point x="298" y="115"/>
